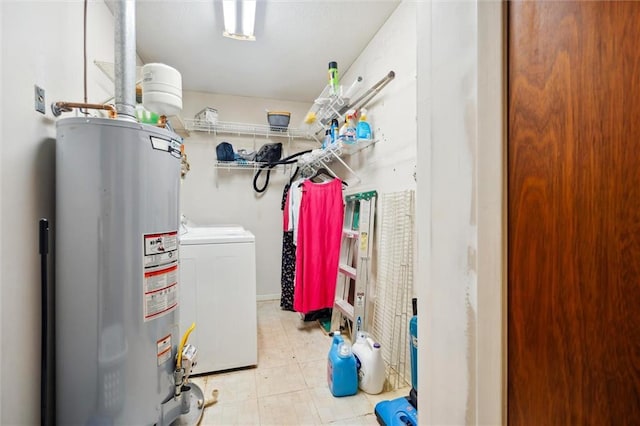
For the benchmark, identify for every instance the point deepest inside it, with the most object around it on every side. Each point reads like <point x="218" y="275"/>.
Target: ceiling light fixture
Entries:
<point x="239" y="19"/>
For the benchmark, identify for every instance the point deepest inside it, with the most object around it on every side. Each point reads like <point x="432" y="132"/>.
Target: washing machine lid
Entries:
<point x="219" y="234"/>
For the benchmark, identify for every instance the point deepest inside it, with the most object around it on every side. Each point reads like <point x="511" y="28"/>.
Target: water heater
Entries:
<point x="117" y="192"/>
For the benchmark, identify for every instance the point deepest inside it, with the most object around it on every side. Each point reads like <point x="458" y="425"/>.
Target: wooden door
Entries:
<point x="574" y="213"/>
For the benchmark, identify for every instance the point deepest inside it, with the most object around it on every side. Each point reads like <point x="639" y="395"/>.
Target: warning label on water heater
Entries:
<point x="160" y="274"/>
<point x="160" y="248"/>
<point x="164" y="349"/>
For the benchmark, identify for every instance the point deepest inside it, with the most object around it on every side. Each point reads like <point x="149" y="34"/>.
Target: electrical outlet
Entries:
<point x="39" y="99"/>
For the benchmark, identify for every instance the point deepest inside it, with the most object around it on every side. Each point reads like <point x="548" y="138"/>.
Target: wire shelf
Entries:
<point x="265" y="130"/>
<point x="239" y="165"/>
<point x="317" y="158"/>
<point x="329" y="106"/>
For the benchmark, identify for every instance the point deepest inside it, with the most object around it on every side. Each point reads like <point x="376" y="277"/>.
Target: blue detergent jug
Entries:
<point x="342" y="372"/>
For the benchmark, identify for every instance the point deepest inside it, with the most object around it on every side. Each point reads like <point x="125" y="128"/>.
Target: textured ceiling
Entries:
<point x="295" y="40"/>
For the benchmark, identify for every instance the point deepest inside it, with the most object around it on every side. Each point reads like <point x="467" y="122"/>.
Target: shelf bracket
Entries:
<point x="346" y="166"/>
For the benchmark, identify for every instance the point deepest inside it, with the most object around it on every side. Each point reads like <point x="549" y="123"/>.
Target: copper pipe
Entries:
<point x="58" y="108"/>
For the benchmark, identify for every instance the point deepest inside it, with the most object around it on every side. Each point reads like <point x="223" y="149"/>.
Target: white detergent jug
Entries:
<point x="371" y="364"/>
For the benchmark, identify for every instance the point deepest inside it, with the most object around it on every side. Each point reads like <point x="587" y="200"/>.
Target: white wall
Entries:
<point x="1" y="133"/>
<point x="491" y="348"/>
<point x="220" y="196"/>
<point x="41" y="44"/>
<point x="452" y="285"/>
<point x="460" y="125"/>
<point x="389" y="165"/>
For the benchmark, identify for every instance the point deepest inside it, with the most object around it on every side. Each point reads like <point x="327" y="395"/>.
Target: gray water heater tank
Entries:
<point x="117" y="192"/>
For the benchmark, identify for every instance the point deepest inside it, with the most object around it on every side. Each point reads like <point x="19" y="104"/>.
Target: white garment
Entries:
<point x="295" y="196"/>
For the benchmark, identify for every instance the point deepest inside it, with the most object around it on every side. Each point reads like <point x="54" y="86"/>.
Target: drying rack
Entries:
<point x="394" y="286"/>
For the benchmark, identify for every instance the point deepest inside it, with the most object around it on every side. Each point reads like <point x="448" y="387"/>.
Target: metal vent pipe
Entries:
<point x="125" y="58"/>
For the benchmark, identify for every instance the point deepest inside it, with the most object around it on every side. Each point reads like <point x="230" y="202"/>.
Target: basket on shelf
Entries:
<point x="278" y="120"/>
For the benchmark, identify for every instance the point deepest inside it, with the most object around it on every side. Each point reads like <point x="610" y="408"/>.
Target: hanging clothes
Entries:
<point x="318" y="245"/>
<point x="287" y="274"/>
<point x="295" y="197"/>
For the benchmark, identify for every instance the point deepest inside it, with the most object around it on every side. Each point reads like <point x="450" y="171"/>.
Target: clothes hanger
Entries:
<point x="325" y="174"/>
<point x="322" y="171"/>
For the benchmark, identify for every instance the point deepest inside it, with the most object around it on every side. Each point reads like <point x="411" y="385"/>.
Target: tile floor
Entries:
<point x="289" y="385"/>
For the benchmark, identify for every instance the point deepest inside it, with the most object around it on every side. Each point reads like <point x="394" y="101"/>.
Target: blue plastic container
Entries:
<point x="413" y="334"/>
<point x="342" y="371"/>
<point x="364" y="128"/>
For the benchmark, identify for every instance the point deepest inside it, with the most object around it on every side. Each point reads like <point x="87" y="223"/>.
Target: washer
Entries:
<point x="218" y="293"/>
